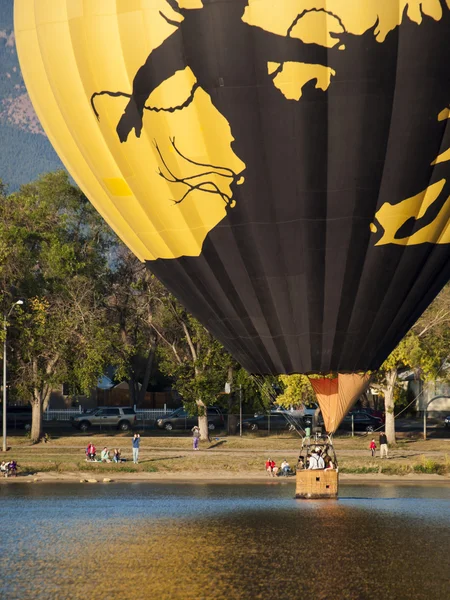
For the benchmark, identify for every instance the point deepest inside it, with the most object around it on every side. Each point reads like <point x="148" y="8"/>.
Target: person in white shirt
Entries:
<point x="285" y="467"/>
<point x="316" y="461"/>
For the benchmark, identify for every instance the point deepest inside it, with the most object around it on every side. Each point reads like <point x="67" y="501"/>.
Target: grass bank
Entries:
<point x="224" y="456"/>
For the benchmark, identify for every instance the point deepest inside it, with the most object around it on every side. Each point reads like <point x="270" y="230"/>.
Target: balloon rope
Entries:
<point x="291" y="421"/>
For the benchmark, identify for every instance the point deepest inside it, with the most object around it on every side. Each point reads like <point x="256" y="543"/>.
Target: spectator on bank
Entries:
<point x="285" y="468"/>
<point x="116" y="455"/>
<point x="271" y="467"/>
<point x="12" y="469"/>
<point x="383" y="445"/>
<point x="135" y="443"/>
<point x="195" y="437"/>
<point x="105" y="455"/>
<point x="90" y="451"/>
<point x="372" y="447"/>
<point x="8" y="469"/>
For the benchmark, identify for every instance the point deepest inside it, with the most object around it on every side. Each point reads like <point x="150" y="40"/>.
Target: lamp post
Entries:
<point x="5" y="330"/>
<point x="425" y="410"/>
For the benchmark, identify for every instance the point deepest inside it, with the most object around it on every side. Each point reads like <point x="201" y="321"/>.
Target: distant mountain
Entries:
<point x="25" y="151"/>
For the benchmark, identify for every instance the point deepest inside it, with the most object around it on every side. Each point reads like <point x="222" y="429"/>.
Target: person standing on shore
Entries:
<point x="135" y="442"/>
<point x="195" y="437"/>
<point x="373" y="447"/>
<point x="383" y="445"/>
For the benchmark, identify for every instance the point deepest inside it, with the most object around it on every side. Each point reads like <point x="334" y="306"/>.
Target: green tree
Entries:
<point x="425" y="348"/>
<point x="296" y="390"/>
<point x="198" y="363"/>
<point x="53" y="254"/>
<point x="134" y="302"/>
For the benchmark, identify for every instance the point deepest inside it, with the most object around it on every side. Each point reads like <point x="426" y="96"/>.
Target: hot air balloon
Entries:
<point x="282" y="167"/>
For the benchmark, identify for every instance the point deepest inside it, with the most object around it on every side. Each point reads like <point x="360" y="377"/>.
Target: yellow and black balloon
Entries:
<point x="282" y="166"/>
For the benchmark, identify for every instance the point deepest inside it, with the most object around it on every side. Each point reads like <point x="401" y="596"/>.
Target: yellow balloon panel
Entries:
<point x="157" y="191"/>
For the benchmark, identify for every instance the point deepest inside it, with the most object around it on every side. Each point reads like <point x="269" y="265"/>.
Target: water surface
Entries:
<point x="222" y="541"/>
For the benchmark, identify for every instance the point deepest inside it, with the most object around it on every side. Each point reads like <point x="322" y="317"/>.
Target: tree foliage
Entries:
<point x="425" y="349"/>
<point x="53" y="255"/>
<point x="297" y="390"/>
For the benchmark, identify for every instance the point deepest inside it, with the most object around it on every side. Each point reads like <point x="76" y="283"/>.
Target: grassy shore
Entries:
<point x="223" y="457"/>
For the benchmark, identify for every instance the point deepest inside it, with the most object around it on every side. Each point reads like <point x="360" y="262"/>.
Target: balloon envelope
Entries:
<point x="282" y="166"/>
<point x="336" y="396"/>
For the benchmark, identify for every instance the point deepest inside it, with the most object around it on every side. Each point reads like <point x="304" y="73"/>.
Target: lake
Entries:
<point x="223" y="541"/>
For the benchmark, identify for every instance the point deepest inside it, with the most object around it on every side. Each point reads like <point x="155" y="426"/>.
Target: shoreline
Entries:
<point x="225" y="477"/>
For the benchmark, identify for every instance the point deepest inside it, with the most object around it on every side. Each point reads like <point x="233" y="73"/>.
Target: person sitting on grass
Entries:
<point x="105" y="455"/>
<point x="90" y="451"/>
<point x="285" y="468"/>
<point x="271" y="468"/>
<point x="9" y="469"/>
<point x="116" y="456"/>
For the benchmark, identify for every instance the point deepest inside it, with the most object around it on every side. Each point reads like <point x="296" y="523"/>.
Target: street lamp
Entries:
<point x="5" y="329"/>
<point x="425" y="409"/>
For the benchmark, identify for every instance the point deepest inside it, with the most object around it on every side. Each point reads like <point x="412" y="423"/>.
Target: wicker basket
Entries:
<point x="317" y="483"/>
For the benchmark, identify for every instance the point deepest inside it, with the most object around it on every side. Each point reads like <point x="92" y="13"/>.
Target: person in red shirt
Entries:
<point x="90" y="452"/>
<point x="373" y="447"/>
<point x="271" y="467"/>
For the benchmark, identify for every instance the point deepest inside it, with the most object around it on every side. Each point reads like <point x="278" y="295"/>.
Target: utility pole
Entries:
<point x="240" y="410"/>
<point x="4" y="383"/>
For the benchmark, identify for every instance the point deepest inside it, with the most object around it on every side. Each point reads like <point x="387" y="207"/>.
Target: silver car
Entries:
<point x="123" y="419"/>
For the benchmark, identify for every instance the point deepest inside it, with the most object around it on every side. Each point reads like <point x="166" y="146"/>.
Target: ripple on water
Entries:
<point x="220" y="541"/>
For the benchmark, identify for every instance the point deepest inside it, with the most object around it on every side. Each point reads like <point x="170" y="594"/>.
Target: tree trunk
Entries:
<point x="203" y="420"/>
<point x="391" y="378"/>
<point x="148" y="372"/>
<point x="36" y="421"/>
<point x="132" y="390"/>
<point x="46" y="400"/>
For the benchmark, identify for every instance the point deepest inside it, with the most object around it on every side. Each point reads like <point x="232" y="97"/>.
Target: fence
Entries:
<point x="277" y="424"/>
<point x="64" y="414"/>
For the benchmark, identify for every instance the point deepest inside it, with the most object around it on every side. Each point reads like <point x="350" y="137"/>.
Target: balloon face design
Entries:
<point x="282" y="165"/>
<point x="168" y="85"/>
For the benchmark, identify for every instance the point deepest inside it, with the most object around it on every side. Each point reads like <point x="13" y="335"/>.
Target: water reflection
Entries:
<point x="222" y="541"/>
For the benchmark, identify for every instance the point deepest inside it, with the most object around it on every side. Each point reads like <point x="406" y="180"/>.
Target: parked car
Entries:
<point x="369" y="411"/>
<point x="120" y="418"/>
<point x="447" y="421"/>
<point x="18" y="417"/>
<point x="362" y="422"/>
<point x="279" y="421"/>
<point x="304" y="419"/>
<point x="180" y="419"/>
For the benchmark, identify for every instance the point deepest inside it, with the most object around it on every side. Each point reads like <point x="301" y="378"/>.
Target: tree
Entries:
<point x="296" y="390"/>
<point x="134" y="302"/>
<point x="405" y="355"/>
<point x="53" y="254"/>
<point x="198" y="363"/>
<point x="424" y="348"/>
